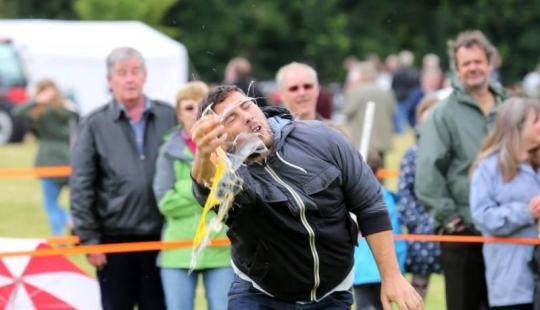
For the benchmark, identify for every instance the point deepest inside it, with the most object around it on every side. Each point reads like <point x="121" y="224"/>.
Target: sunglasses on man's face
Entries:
<point x="297" y="87"/>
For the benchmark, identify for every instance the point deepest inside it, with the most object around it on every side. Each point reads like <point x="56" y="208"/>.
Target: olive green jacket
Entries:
<point x="449" y="142"/>
<point x="54" y="130"/>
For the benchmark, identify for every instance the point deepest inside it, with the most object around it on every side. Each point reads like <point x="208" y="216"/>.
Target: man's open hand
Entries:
<point x="398" y="290"/>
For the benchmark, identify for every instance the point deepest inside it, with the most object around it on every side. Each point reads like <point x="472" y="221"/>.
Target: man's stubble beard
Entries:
<point x="478" y="87"/>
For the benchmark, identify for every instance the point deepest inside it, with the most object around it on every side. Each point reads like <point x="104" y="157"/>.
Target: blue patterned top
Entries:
<point x="422" y="257"/>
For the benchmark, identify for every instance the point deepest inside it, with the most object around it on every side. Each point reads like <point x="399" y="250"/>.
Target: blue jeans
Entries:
<point x="243" y="296"/>
<point x="400" y="117"/>
<point x="57" y="216"/>
<point x="179" y="287"/>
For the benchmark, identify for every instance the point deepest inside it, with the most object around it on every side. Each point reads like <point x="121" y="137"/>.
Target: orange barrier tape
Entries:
<point x="37" y="172"/>
<point x="114" y="248"/>
<point x="63" y="240"/>
<point x="159" y="245"/>
<point x="387" y="174"/>
<point x="64" y="171"/>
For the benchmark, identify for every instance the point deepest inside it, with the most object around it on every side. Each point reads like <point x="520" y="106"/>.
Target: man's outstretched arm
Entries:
<point x="394" y="287"/>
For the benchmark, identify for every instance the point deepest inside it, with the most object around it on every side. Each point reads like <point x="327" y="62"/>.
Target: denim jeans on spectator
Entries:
<point x="57" y="216"/>
<point x="400" y="117"/>
<point x="243" y="296"/>
<point x="179" y="287"/>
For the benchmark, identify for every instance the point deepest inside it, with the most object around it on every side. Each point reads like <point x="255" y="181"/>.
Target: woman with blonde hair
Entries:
<point x="505" y="201"/>
<point x="52" y="116"/>
<point x="172" y="188"/>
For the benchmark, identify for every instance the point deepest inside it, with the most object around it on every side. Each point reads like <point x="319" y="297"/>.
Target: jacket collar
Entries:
<point x="464" y="96"/>
<point x="278" y="119"/>
<point x="277" y="111"/>
<point x="176" y="146"/>
<point x="116" y="110"/>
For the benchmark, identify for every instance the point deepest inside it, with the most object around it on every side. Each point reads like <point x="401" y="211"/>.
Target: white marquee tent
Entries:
<point x="73" y="53"/>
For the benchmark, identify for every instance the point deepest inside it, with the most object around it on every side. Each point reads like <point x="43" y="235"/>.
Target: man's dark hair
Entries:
<point x="216" y="95"/>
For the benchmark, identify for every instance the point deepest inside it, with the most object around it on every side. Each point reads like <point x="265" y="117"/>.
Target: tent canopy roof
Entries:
<point x="88" y="39"/>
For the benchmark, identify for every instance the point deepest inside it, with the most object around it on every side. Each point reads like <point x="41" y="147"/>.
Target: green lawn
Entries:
<point x="21" y="214"/>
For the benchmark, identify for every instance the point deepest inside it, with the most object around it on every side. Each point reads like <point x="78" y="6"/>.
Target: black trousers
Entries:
<point x="130" y="279"/>
<point x="464" y="276"/>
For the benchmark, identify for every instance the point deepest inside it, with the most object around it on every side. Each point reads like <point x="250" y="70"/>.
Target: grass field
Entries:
<point x="21" y="213"/>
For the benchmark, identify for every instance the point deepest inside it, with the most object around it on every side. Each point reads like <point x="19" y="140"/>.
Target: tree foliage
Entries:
<point x="28" y="9"/>
<point x="148" y="11"/>
<point x="321" y="32"/>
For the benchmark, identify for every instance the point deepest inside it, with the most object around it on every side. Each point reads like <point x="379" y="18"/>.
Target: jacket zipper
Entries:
<point x="310" y="231"/>
<point x="289" y="164"/>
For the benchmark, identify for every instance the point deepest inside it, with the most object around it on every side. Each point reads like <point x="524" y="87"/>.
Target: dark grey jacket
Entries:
<point x="290" y="227"/>
<point x="111" y="184"/>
